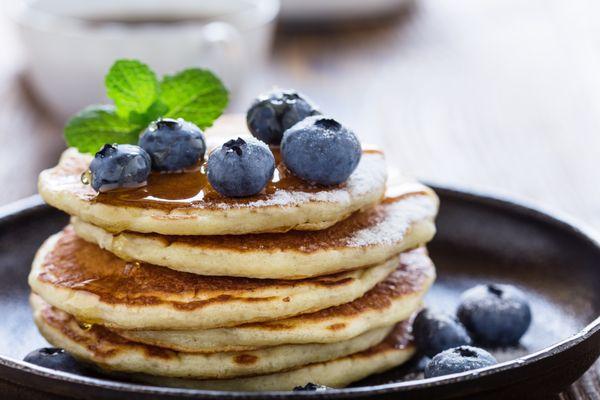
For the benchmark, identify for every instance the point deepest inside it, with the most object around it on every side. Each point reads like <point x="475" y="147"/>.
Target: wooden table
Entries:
<point x="498" y="95"/>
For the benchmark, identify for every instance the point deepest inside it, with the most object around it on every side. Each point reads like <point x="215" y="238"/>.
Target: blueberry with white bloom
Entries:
<point x="118" y="166"/>
<point x="458" y="359"/>
<point x="495" y="315"/>
<point x="435" y="332"/>
<point x="274" y="112"/>
<point x="320" y="150"/>
<point x="241" y="167"/>
<point x="173" y="144"/>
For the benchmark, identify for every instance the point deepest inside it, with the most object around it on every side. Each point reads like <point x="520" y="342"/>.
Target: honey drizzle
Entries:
<point x="192" y="188"/>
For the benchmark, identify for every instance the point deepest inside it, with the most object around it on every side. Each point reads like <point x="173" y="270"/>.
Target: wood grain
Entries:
<point x="498" y="95"/>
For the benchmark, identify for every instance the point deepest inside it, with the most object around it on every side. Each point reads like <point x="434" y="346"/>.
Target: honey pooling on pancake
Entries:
<point x="189" y="187"/>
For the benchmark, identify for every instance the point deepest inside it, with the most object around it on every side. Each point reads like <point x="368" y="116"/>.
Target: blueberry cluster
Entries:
<point x="490" y="315"/>
<point x="167" y="145"/>
<point x="314" y="147"/>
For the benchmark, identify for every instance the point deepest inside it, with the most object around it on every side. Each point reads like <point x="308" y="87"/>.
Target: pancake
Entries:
<point x="186" y="204"/>
<point x="102" y="347"/>
<point x="395" y="350"/>
<point x="366" y="238"/>
<point x="97" y="287"/>
<point x="390" y="301"/>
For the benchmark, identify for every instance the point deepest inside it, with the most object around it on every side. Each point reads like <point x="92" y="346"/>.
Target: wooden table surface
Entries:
<point x="498" y="95"/>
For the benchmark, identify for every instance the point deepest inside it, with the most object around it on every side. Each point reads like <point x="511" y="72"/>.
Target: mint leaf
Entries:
<point x="195" y="95"/>
<point x="132" y="85"/>
<point x="97" y="125"/>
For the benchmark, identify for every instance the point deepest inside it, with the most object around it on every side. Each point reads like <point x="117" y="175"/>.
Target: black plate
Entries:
<point x="480" y="240"/>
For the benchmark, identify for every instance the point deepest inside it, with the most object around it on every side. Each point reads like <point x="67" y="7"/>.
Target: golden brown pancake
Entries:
<point x="395" y="350"/>
<point x="367" y="237"/>
<point x="186" y="204"/>
<point x="390" y="301"/>
<point x="98" y="345"/>
<point x="96" y="286"/>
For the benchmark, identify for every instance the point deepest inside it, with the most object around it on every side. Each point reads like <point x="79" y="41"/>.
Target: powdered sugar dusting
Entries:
<point x="400" y="215"/>
<point x="370" y="175"/>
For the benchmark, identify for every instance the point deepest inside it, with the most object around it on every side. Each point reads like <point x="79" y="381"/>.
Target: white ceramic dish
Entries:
<point x="70" y="44"/>
<point x="306" y="11"/>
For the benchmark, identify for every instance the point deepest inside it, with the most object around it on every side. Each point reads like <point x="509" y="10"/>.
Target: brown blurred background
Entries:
<point x="497" y="95"/>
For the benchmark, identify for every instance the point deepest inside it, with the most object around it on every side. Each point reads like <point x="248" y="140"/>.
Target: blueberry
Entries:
<point x="458" y="359"/>
<point x="320" y="150"/>
<point x="173" y="145"/>
<point x="310" y="387"/>
<point x="240" y="167"/>
<point x="436" y="332"/>
<point x="274" y="112"/>
<point x="54" y="358"/>
<point x="496" y="315"/>
<point x="116" y="166"/>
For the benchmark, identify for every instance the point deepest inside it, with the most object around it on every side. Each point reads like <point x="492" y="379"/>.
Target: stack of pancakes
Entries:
<point x="175" y="284"/>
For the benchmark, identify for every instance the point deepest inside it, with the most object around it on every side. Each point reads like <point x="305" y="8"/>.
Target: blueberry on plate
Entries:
<point x="458" y="359"/>
<point x="435" y="332"/>
<point x="118" y="166"/>
<point x="274" y="112"/>
<point x="240" y="167"/>
<point x="55" y="358"/>
<point x="173" y="144"/>
<point x="495" y="315"/>
<point x="310" y="387"/>
<point x="319" y="149"/>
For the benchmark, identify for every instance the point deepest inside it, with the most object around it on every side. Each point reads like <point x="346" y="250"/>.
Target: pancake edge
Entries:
<point x="298" y="330"/>
<point x="131" y="357"/>
<point x="310" y="214"/>
<point x="89" y="307"/>
<point x="258" y="263"/>
<point x="336" y="373"/>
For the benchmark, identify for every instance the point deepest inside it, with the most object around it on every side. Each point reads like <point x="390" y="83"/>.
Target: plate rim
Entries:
<point x="505" y="203"/>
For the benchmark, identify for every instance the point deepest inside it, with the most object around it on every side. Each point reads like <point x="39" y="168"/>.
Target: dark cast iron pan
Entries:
<point x="480" y="240"/>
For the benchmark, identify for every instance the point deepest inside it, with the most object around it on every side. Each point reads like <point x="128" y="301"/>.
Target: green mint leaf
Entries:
<point x="195" y="95"/>
<point x="132" y="85"/>
<point x="97" y="125"/>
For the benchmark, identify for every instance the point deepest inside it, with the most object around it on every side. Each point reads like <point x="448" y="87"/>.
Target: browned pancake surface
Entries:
<point x="104" y="343"/>
<point x="414" y="271"/>
<point x="76" y="264"/>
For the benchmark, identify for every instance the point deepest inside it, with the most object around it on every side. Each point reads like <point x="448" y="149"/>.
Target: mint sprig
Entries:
<point x="194" y="94"/>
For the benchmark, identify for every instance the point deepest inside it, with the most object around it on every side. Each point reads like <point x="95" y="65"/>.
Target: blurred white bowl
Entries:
<point x="331" y="10"/>
<point x="70" y="44"/>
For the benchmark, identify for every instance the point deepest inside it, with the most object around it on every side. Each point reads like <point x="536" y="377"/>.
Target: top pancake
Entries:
<point x="186" y="204"/>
